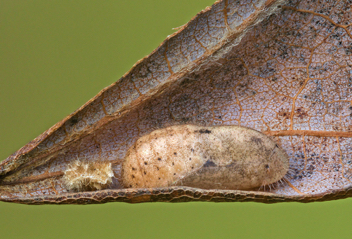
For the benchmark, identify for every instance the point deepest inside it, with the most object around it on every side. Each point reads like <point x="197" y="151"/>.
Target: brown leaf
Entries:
<point x="280" y="67"/>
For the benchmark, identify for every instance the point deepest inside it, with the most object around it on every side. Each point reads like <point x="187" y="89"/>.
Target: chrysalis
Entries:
<point x="219" y="157"/>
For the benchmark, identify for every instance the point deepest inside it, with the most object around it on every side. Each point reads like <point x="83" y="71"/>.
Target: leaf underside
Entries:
<point x="281" y="67"/>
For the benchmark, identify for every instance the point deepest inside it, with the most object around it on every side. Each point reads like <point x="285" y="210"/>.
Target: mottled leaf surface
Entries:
<point x="281" y="67"/>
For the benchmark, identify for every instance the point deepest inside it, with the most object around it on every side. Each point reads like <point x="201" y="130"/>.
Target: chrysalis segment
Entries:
<point x="219" y="157"/>
<point x="88" y="176"/>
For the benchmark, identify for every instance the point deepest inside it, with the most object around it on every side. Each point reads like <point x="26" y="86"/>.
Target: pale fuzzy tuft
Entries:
<point x="88" y="175"/>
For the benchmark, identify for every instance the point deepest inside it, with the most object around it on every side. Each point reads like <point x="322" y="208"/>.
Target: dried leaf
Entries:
<point x="281" y="67"/>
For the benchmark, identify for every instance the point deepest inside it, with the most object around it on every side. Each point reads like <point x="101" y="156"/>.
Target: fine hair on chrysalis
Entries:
<point x="85" y="175"/>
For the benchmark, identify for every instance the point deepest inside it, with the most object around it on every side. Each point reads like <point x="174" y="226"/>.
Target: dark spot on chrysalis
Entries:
<point x="190" y="158"/>
<point x="159" y="159"/>
<point x="209" y="163"/>
<point x="192" y="150"/>
<point x="231" y="165"/>
<point x="266" y="166"/>
<point x="173" y="163"/>
<point x="132" y="168"/>
<point x="145" y="163"/>
<point x="159" y="178"/>
<point x="174" y="173"/>
<point x="203" y="131"/>
<point x="257" y="140"/>
<point x="175" y="153"/>
<point x="133" y="176"/>
<point x="157" y="168"/>
<point x="145" y="172"/>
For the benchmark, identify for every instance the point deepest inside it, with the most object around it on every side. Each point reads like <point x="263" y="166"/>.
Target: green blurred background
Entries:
<point x="56" y="55"/>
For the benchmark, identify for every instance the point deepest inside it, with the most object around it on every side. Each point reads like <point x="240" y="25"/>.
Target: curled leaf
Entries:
<point x="280" y="67"/>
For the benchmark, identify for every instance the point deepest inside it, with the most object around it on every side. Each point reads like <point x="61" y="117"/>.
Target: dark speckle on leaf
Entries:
<point x="73" y="121"/>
